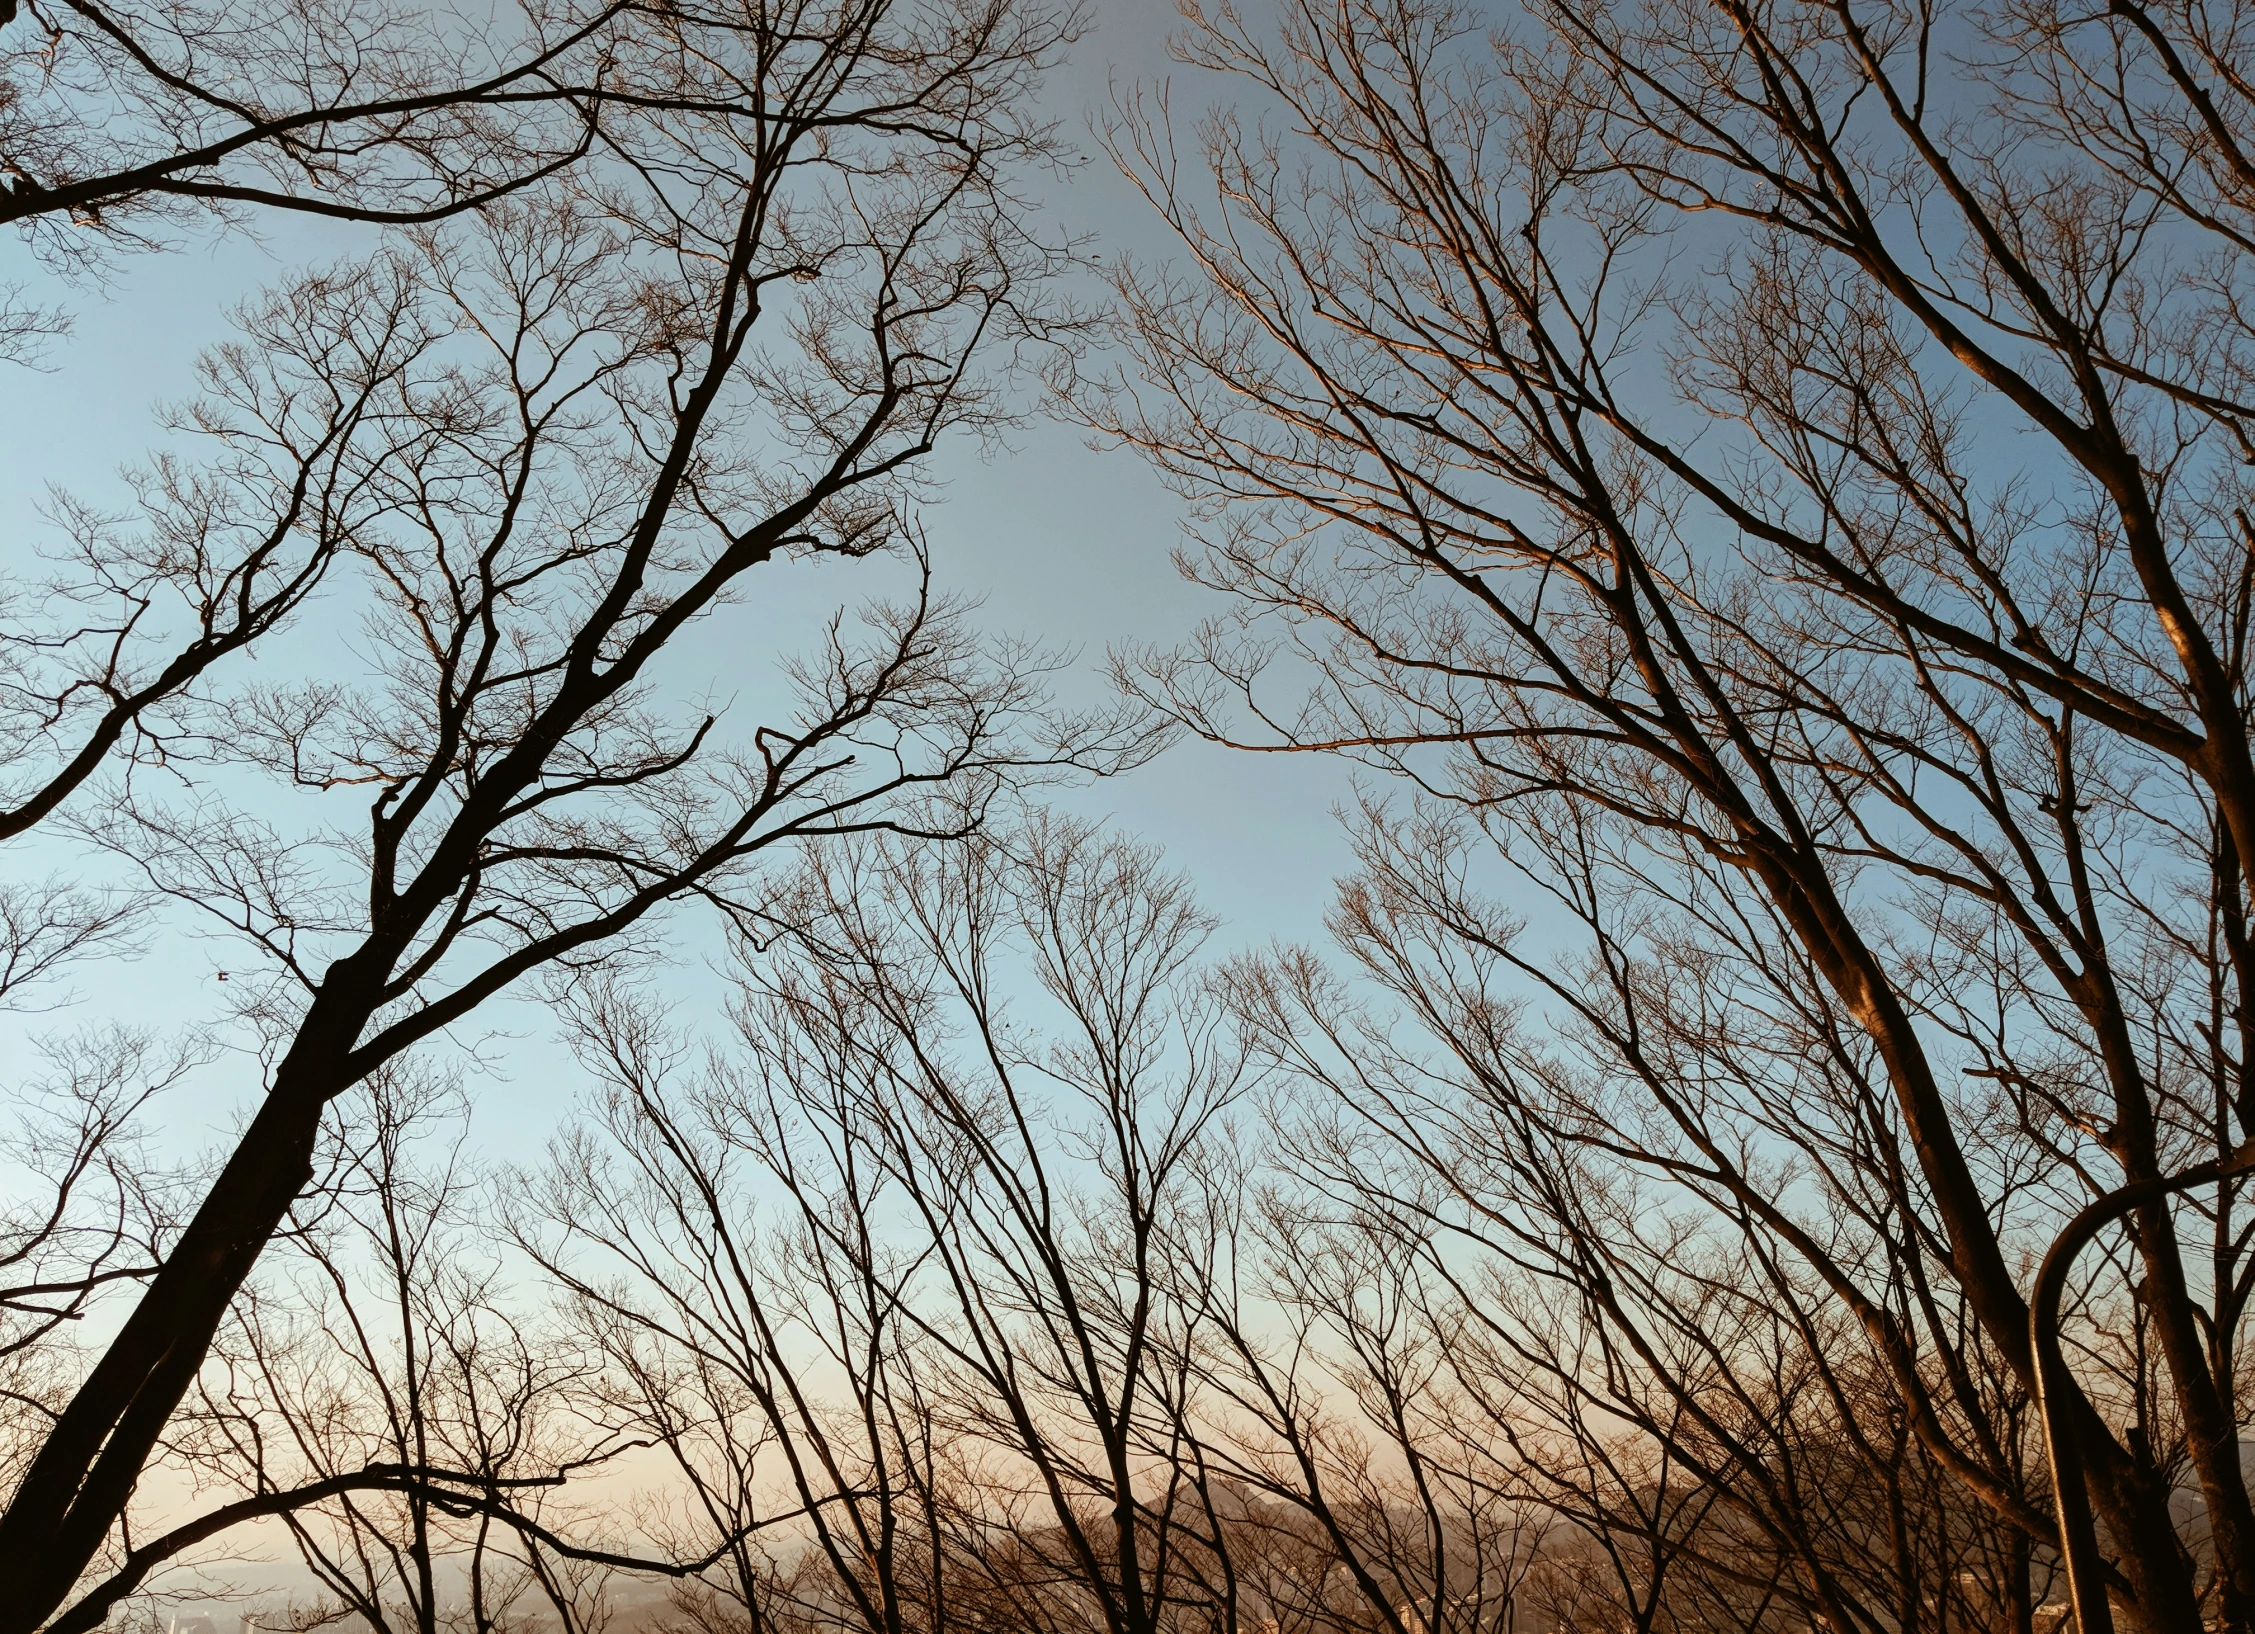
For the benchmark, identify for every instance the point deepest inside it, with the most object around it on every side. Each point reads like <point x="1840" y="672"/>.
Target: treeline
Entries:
<point x="1761" y="494"/>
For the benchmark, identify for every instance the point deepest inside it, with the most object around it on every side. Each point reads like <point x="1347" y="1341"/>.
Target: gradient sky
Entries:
<point x="1063" y="542"/>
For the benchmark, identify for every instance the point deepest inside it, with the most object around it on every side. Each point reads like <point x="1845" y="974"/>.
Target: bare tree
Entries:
<point x="90" y="1205"/>
<point x="379" y="1392"/>
<point x="1045" y="1178"/>
<point x="391" y="1402"/>
<point x="116" y="120"/>
<point x="768" y="1351"/>
<point x="1370" y="1491"/>
<point x="603" y="447"/>
<point x="1775" y="475"/>
<point x="974" y="1078"/>
<point x="100" y="667"/>
<point x="1699" y="1431"/>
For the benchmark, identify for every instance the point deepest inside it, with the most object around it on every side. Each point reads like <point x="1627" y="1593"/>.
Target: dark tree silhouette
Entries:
<point x="1770" y="481"/>
<point x="590" y="440"/>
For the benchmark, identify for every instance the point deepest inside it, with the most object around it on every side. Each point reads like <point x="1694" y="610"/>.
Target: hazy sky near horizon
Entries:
<point x="1062" y="542"/>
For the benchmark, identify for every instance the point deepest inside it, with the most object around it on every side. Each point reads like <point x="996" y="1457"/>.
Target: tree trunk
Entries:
<point x="84" y="1476"/>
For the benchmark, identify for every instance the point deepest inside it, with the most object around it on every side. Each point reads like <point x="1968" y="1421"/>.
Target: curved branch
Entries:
<point x="436" y="1486"/>
<point x="2055" y="1385"/>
